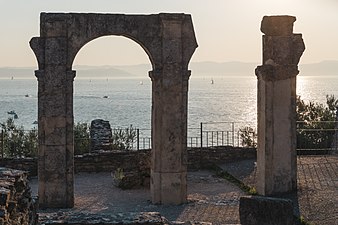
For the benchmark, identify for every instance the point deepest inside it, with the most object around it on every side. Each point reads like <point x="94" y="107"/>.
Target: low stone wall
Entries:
<point x="137" y="160"/>
<point x="17" y="207"/>
<point x="201" y="158"/>
<point x="27" y="164"/>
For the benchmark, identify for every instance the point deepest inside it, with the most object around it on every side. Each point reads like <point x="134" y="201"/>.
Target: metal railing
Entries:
<point x="317" y="136"/>
<point x="311" y="136"/>
<point x="209" y="134"/>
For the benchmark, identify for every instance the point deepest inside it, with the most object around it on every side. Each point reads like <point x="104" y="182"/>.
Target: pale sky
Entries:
<point x="226" y="30"/>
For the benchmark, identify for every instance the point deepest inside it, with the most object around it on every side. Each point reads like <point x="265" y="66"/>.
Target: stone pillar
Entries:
<point x="169" y="119"/>
<point x="100" y="135"/>
<point x="55" y="116"/>
<point x="276" y="152"/>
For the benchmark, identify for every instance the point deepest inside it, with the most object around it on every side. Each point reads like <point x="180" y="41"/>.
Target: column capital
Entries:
<point x="278" y="25"/>
<point x="276" y="72"/>
<point x="39" y="74"/>
<point x="71" y="75"/>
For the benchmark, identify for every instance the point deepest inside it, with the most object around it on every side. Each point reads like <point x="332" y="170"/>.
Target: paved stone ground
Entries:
<point x="317" y="196"/>
<point x="318" y="189"/>
<point x="211" y="199"/>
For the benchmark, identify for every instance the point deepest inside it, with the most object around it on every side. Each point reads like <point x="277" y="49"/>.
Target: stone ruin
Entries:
<point x="169" y="41"/>
<point x="276" y="150"/>
<point x="17" y="206"/>
<point x="100" y="135"/>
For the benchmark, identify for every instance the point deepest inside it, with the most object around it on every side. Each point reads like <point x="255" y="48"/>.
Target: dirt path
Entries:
<point x="210" y="199"/>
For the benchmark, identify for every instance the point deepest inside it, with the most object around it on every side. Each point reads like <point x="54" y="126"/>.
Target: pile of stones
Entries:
<point x="17" y="206"/>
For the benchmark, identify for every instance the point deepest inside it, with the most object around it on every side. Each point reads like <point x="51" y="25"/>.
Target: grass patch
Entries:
<point x="301" y="221"/>
<point x="227" y="176"/>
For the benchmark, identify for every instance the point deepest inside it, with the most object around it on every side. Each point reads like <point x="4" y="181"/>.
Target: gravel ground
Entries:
<point x="210" y="199"/>
<point x="316" y="198"/>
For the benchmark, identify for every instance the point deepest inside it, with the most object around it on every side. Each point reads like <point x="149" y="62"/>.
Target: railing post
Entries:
<point x="200" y="157"/>
<point x="138" y="139"/>
<point x="2" y="144"/>
<point x="233" y="134"/>
<point x="212" y="138"/>
<point x="201" y="130"/>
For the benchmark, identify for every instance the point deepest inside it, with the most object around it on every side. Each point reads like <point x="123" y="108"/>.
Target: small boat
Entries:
<point x="212" y="81"/>
<point x="35" y="122"/>
<point x="27" y="96"/>
<point x="12" y="112"/>
<point x="106" y="96"/>
<point x="141" y="82"/>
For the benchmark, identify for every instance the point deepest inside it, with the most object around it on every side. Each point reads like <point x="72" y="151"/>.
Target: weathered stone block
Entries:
<point x="16" y="203"/>
<point x="169" y="41"/>
<point x="277" y="25"/>
<point x="257" y="210"/>
<point x="100" y="135"/>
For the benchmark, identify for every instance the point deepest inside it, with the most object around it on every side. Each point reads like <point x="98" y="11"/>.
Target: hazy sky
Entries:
<point x="226" y="30"/>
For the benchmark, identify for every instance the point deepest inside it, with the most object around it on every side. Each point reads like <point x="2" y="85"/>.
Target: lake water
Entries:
<point x="229" y="98"/>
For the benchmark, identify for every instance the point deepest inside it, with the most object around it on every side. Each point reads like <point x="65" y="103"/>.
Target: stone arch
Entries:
<point x="169" y="41"/>
<point x="135" y="47"/>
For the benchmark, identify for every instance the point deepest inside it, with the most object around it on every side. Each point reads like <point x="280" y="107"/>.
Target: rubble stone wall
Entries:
<point x="137" y="160"/>
<point x="17" y="207"/>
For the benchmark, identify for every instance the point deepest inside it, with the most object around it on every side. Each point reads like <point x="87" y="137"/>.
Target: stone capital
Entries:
<point x="155" y="74"/>
<point x="71" y="75"/>
<point x="277" y="25"/>
<point x="39" y="74"/>
<point x="276" y="72"/>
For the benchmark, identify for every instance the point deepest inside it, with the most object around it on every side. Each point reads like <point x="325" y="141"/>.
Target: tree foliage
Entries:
<point x="248" y="137"/>
<point x="123" y="139"/>
<point x="16" y="142"/>
<point x="316" y="123"/>
<point x="81" y="138"/>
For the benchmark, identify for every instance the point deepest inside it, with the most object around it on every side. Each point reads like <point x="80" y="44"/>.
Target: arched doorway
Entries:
<point x="169" y="41"/>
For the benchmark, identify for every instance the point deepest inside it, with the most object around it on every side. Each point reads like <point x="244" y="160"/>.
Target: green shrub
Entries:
<point x="81" y="138"/>
<point x="248" y="137"/>
<point x="123" y="139"/>
<point x="16" y="142"/>
<point x="316" y="123"/>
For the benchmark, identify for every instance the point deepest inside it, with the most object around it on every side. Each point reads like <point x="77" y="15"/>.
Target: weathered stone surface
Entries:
<point x="169" y="41"/>
<point x="17" y="206"/>
<point x="133" y="161"/>
<point x="277" y="25"/>
<point x="150" y="218"/>
<point x="257" y="210"/>
<point x="145" y="218"/>
<point x="276" y="150"/>
<point x="100" y="135"/>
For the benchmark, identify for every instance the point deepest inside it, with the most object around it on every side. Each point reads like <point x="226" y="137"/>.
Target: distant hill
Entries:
<point x="323" y="68"/>
<point x="225" y="68"/>
<point x="198" y="69"/>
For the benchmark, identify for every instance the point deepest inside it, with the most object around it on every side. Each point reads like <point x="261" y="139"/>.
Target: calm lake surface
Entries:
<point x="229" y="98"/>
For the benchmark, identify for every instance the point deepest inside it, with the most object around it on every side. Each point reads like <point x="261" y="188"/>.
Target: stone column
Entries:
<point x="276" y="151"/>
<point x="169" y="119"/>
<point x="55" y="116"/>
